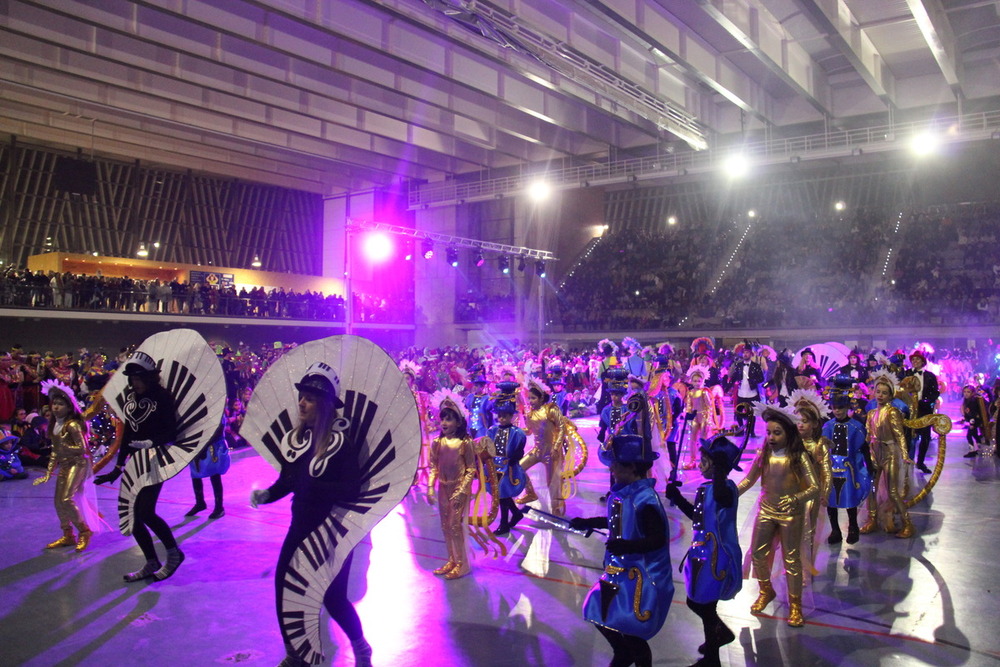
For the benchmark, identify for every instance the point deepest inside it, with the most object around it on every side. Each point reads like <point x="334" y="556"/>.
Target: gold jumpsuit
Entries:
<point x="70" y="453"/>
<point x="819" y="453"/>
<point x="778" y="480"/>
<point x="453" y="467"/>
<point x="888" y="450"/>
<point x="546" y="424"/>
<point x="708" y="419"/>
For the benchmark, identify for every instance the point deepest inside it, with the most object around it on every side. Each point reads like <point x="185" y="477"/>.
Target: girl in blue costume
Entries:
<point x="712" y="567"/>
<point x="850" y="462"/>
<point x="508" y="441"/>
<point x="629" y="603"/>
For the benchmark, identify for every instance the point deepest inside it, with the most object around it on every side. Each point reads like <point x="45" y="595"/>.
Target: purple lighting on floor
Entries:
<point x="377" y="247"/>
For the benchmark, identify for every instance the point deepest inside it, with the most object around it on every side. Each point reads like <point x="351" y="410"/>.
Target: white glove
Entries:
<point x="141" y="444"/>
<point x="258" y="497"/>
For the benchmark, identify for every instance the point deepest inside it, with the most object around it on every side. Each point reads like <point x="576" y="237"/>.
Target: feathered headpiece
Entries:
<point x="49" y="385"/>
<point x="409" y="368"/>
<point x="809" y="398"/>
<point x="631" y="343"/>
<point x="698" y="370"/>
<point x="883" y="376"/>
<point x="607" y="342"/>
<point x="702" y="345"/>
<point x="759" y="408"/>
<point x="505" y="369"/>
<point x="665" y="348"/>
<point x="539" y="384"/>
<point x="446" y="398"/>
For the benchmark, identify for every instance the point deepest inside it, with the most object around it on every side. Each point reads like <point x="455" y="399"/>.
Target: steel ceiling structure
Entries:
<point x="346" y="95"/>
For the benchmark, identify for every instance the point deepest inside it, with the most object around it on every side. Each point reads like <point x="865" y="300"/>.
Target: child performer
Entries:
<point x="887" y="441"/>
<point x="812" y="412"/>
<point x="452" y="469"/>
<point x="703" y="409"/>
<point x="508" y="441"/>
<point x="69" y="451"/>
<point x="788" y="480"/>
<point x="545" y="422"/>
<point x="629" y="603"/>
<point x="712" y="565"/>
<point x="849" y="465"/>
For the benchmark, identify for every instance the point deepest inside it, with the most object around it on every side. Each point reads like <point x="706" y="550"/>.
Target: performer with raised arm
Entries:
<point x="704" y="411"/>
<point x="787" y="480"/>
<point x="545" y="423"/>
<point x="888" y="451"/>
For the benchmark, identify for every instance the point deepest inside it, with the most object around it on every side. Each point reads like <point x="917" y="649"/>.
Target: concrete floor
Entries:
<point x="884" y="601"/>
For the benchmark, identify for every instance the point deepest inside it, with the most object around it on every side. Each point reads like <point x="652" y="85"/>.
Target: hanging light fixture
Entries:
<point x="504" y="263"/>
<point x="451" y="254"/>
<point x="540" y="268"/>
<point x="256" y="262"/>
<point x="142" y="252"/>
<point x="478" y="258"/>
<point x="427" y="248"/>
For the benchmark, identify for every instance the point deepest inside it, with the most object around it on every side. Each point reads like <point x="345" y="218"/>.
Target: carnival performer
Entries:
<point x="631" y="359"/>
<point x="704" y="411"/>
<point x="150" y="421"/>
<point x="612" y="419"/>
<point x="782" y="380"/>
<point x="807" y="374"/>
<point x="712" y="564"/>
<point x="106" y="429"/>
<point x="629" y="603"/>
<point x="452" y="470"/>
<point x="411" y="373"/>
<point x="608" y="361"/>
<point x="68" y="431"/>
<point x="746" y="377"/>
<point x="812" y="413"/>
<point x="974" y="413"/>
<point x="927" y="395"/>
<point x="854" y="368"/>
<point x="477" y="404"/>
<point x="888" y="452"/>
<point x="508" y="446"/>
<point x="788" y="480"/>
<point x="213" y="462"/>
<point x="325" y="473"/>
<point x="667" y="407"/>
<point x="849" y="465"/>
<point x="545" y="423"/>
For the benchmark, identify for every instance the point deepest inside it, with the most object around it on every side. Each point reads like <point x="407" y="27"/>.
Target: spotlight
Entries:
<point x="672" y="220"/>
<point x="539" y="191"/>
<point x="840" y="206"/>
<point x="377" y="247"/>
<point x="924" y="143"/>
<point x="540" y="268"/>
<point x="736" y="165"/>
<point x="142" y="252"/>
<point x="478" y="258"/>
<point x="427" y="248"/>
<point x="451" y="254"/>
<point x="520" y="264"/>
<point x="504" y="263"/>
<point x="256" y="262"/>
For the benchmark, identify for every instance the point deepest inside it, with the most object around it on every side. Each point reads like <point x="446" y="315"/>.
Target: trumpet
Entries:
<point x="743" y="409"/>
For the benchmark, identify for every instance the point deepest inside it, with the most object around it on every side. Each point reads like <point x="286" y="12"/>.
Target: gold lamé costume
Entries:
<point x="71" y="455"/>
<point x="706" y="403"/>
<point x="546" y="425"/>
<point x="452" y="469"/>
<point x="819" y="453"/>
<point x="780" y="483"/>
<point x="887" y="441"/>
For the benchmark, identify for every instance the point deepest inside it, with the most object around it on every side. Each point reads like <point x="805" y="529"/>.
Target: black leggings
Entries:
<point x="145" y="519"/>
<point x="628" y="649"/>
<point x="198" y="484"/>
<point x="335" y="599"/>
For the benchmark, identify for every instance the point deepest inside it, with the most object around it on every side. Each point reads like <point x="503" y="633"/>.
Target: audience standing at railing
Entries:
<point x="22" y="288"/>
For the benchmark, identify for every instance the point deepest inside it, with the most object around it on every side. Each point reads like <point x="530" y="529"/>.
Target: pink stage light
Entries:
<point x="378" y="247"/>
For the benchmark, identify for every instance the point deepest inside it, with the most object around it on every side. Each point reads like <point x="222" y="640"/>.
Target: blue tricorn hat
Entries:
<point x="617" y="379"/>
<point x="505" y="398"/>
<point x="628" y="448"/>
<point x="722" y="447"/>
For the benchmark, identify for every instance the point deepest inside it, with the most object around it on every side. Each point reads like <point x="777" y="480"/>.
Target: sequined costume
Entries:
<point x="819" y="452"/>
<point x="480" y="414"/>
<point x="452" y="469"/>
<point x="546" y="425"/>
<point x="887" y="441"/>
<point x="780" y="480"/>
<point x="706" y="405"/>
<point x="712" y="565"/>
<point x="850" y="481"/>
<point x="70" y="455"/>
<point x="636" y="589"/>
<point x="509" y="442"/>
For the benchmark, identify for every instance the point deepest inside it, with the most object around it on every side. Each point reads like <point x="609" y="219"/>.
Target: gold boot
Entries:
<point x="67" y="540"/>
<point x="871" y="526"/>
<point x="795" y="619"/>
<point x="446" y="568"/>
<point x="764" y="598"/>
<point x="908" y="529"/>
<point x="460" y="570"/>
<point x="83" y="540"/>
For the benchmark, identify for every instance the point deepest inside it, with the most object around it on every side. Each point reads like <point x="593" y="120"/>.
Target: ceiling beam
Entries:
<point x="936" y="29"/>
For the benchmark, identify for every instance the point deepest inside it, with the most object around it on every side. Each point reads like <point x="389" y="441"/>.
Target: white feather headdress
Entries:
<point x="446" y="398"/>
<point x="813" y="399"/>
<point x="759" y="407"/>
<point x="539" y="384"/>
<point x="49" y="385"/>
<point x="885" y="377"/>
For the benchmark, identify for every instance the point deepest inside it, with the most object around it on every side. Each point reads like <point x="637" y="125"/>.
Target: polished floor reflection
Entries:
<point x="930" y="600"/>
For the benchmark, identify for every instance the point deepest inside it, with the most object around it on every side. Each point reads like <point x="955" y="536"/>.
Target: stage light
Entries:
<point x="427" y="248"/>
<point x="504" y="263"/>
<point x="142" y="252"/>
<point x="377" y="247"/>
<point x="520" y="264"/>
<point x="478" y="258"/>
<point x="751" y="213"/>
<point x="840" y="206"/>
<point x="672" y="220"/>
<point x="256" y="262"/>
<point x="539" y="191"/>
<point x="540" y="268"/>
<point x="924" y="143"/>
<point x="736" y="166"/>
<point x="451" y="254"/>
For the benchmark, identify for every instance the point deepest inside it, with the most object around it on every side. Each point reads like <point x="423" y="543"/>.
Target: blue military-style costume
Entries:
<point x="851" y="482"/>
<point x="480" y="410"/>
<point x="509" y="442"/>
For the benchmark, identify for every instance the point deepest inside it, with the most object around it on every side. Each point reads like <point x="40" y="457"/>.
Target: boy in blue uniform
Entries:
<point x="629" y="603"/>
<point x="478" y="405"/>
<point x="712" y="567"/>
<point x="508" y="442"/>
<point x="849" y="463"/>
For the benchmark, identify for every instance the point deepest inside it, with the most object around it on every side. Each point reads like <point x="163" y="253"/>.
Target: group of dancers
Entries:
<point x="471" y="455"/>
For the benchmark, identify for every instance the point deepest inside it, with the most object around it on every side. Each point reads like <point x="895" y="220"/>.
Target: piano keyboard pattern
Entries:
<point x="191" y="372"/>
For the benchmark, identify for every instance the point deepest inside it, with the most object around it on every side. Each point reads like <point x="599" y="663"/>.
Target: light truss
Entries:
<point x="354" y="225"/>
